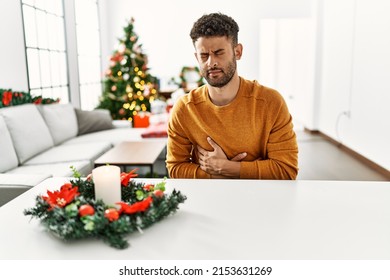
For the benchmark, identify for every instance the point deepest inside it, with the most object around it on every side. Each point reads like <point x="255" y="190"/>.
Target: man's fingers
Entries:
<point x="212" y="143"/>
<point x="201" y="151"/>
<point x="239" y="157"/>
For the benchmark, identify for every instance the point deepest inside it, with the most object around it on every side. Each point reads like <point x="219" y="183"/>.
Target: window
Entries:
<point x="89" y="55"/>
<point x="45" y="48"/>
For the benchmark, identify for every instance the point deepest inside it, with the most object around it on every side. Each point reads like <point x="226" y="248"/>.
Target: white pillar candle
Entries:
<point x="107" y="180"/>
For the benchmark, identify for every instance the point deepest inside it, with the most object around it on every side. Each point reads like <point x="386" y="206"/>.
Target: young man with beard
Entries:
<point x="231" y="127"/>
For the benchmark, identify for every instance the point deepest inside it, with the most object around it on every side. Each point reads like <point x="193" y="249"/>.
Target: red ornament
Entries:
<point x="111" y="214"/>
<point x="117" y="57"/>
<point x="86" y="209"/>
<point x="158" y="193"/>
<point x="122" y="111"/>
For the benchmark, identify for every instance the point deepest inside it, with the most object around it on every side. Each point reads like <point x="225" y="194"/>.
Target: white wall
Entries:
<point x="355" y="76"/>
<point x="287" y="63"/>
<point x="164" y="26"/>
<point x="13" y="69"/>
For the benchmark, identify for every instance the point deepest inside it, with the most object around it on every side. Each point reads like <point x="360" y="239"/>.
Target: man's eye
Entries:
<point x="204" y="56"/>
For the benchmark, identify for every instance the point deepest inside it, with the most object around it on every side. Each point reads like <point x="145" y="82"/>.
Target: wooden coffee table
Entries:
<point x="137" y="153"/>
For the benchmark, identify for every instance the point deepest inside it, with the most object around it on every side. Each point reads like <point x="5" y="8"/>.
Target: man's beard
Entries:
<point x="226" y="76"/>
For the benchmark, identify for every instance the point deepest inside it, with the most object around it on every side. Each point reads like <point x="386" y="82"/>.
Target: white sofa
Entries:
<point x="42" y="141"/>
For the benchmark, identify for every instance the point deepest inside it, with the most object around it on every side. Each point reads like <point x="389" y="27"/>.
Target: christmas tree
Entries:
<point x="128" y="86"/>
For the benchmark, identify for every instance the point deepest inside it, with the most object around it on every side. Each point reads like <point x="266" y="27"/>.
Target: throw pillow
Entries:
<point x="29" y="132"/>
<point x="92" y="121"/>
<point x="61" y="120"/>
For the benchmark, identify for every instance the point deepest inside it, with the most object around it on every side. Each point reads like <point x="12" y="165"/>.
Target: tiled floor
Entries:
<point x="320" y="160"/>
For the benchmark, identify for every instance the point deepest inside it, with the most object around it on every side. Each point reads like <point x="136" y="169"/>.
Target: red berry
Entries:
<point x="158" y="193"/>
<point x="111" y="214"/>
<point x="86" y="209"/>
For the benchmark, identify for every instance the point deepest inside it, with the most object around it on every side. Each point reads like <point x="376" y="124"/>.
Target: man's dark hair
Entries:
<point x="215" y="24"/>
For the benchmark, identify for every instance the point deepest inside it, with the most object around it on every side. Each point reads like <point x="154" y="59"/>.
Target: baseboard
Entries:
<point x="383" y="171"/>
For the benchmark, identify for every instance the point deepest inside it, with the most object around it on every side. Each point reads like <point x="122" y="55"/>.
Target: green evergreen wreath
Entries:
<point x="190" y="69"/>
<point x="72" y="212"/>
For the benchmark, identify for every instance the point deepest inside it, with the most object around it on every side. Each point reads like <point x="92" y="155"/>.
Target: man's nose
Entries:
<point x="211" y="62"/>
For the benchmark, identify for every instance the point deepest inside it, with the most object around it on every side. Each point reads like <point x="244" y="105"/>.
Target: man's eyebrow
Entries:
<point x="214" y="52"/>
<point x="217" y="51"/>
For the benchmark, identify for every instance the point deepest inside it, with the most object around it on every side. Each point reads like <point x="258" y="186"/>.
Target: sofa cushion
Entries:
<point x="61" y="120"/>
<point x="55" y="169"/>
<point x="92" y="121"/>
<point x="27" y="180"/>
<point x="8" y="155"/>
<point x="68" y="153"/>
<point x="29" y="132"/>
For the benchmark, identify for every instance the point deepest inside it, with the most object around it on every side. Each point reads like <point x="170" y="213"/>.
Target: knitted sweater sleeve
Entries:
<point x="180" y="149"/>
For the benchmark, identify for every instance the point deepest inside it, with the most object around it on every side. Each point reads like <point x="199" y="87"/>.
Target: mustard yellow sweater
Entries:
<point x="257" y="121"/>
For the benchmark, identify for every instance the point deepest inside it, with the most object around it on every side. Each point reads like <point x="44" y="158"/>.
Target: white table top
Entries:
<point x="229" y="219"/>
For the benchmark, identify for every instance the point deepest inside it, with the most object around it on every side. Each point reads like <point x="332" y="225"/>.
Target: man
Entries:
<point x="231" y="127"/>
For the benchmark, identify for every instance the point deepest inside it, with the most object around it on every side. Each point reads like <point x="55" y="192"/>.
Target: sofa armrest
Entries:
<point x="13" y="185"/>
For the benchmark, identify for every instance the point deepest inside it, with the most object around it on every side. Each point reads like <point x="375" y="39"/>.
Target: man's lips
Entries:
<point x="214" y="71"/>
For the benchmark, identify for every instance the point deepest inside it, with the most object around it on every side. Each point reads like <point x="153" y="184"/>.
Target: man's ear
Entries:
<point x="238" y="51"/>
